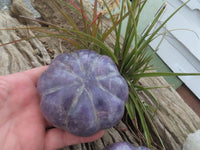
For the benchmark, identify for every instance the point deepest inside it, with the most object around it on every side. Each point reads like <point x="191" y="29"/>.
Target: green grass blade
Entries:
<point x="85" y="21"/>
<point x="130" y="60"/>
<point x="86" y="37"/>
<point x="97" y="26"/>
<point x="72" y="23"/>
<point x="70" y="6"/>
<point x="70" y="41"/>
<point x="158" y="74"/>
<point x="142" y="112"/>
<point x="131" y="57"/>
<point x="105" y="34"/>
<point x="80" y="11"/>
<point x="155" y="130"/>
<point x="94" y="16"/>
<point x="41" y="30"/>
<point x="159" y="28"/>
<point x="82" y="36"/>
<point x="136" y="39"/>
<point x="110" y="13"/>
<point x="130" y="107"/>
<point x="111" y="16"/>
<point x="152" y="25"/>
<point x="146" y="90"/>
<point x="117" y="49"/>
<point x="27" y="28"/>
<point x="141" y="6"/>
<point x="127" y="36"/>
<point x="42" y="22"/>
<point x="139" y="107"/>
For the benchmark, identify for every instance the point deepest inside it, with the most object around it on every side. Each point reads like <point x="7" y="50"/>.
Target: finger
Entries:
<point x="35" y="73"/>
<point x="57" y="138"/>
<point x="32" y="74"/>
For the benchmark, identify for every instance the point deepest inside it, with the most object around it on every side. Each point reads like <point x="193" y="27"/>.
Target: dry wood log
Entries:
<point x="21" y="55"/>
<point x="174" y="119"/>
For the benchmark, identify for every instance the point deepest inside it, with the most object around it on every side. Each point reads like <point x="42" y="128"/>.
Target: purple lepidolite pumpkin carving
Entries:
<point x="124" y="146"/>
<point x="82" y="92"/>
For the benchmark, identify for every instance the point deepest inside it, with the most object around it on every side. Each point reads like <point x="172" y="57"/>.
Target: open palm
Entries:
<point x="22" y="126"/>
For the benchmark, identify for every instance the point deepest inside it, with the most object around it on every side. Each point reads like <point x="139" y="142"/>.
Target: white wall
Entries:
<point x="180" y="49"/>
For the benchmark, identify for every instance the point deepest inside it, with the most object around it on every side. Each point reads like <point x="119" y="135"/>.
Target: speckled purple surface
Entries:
<point x="124" y="146"/>
<point x="82" y="92"/>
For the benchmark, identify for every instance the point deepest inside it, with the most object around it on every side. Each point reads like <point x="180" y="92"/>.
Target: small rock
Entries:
<point x="193" y="141"/>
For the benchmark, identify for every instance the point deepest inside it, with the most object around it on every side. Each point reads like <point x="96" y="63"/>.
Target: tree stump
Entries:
<point x="174" y="119"/>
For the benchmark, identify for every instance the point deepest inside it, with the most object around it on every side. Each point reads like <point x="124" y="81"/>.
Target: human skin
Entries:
<point x="22" y="126"/>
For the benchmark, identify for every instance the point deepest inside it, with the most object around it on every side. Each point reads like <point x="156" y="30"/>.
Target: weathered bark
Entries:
<point x="174" y="119"/>
<point x="20" y="55"/>
<point x="116" y="134"/>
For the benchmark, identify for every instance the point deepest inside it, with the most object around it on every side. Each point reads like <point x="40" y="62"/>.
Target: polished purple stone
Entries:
<point x="82" y="92"/>
<point x="124" y="146"/>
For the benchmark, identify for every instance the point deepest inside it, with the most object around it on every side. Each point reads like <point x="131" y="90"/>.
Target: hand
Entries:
<point x="22" y="126"/>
